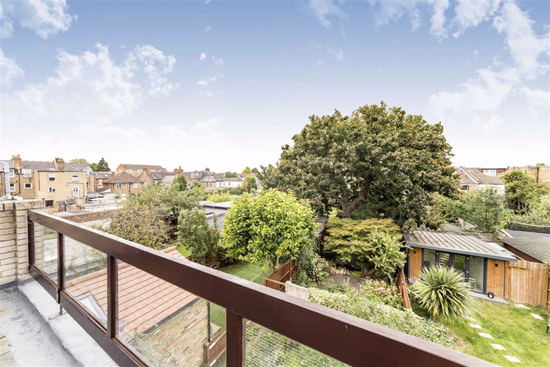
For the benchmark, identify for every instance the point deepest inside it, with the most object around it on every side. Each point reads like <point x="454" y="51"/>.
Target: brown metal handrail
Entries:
<point x="344" y="337"/>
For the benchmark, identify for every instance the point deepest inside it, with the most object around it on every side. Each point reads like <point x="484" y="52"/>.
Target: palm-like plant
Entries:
<point x="443" y="293"/>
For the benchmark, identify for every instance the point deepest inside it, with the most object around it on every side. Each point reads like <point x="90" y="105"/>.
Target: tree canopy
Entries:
<point x="195" y="234"/>
<point x="101" y="166"/>
<point x="522" y="191"/>
<point x="249" y="184"/>
<point x="79" y="160"/>
<point x="272" y="226"/>
<point x="379" y="157"/>
<point x="180" y="183"/>
<point x="247" y="170"/>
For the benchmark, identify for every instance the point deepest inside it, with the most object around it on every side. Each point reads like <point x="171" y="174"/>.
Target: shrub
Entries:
<point x="220" y="198"/>
<point x="195" y="234"/>
<point x="371" y="245"/>
<point x="380" y="291"/>
<point x="140" y="224"/>
<point x="405" y="321"/>
<point x="312" y="268"/>
<point x="443" y="293"/>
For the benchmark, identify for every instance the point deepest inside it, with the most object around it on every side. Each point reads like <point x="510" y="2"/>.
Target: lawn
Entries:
<point x="242" y="269"/>
<point x="184" y="251"/>
<point x="514" y="328"/>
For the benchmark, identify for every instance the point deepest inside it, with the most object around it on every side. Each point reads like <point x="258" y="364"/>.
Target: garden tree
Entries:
<point x="486" y="209"/>
<point x="249" y="184"/>
<point x="443" y="210"/>
<point x="166" y="202"/>
<point x="522" y="191"/>
<point x="180" y="183"/>
<point x="247" y="170"/>
<point x="195" y="234"/>
<point x="372" y="246"/>
<point x="443" y="293"/>
<point x="101" y="166"/>
<point x="141" y="224"/>
<point x="272" y="226"/>
<point x="79" y="161"/>
<point x="230" y="174"/>
<point x="379" y="156"/>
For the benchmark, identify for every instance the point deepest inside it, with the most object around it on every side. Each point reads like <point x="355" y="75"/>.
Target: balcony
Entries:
<point x="155" y="308"/>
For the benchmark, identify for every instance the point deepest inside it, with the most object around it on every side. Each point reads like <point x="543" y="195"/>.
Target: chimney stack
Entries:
<point x="178" y="171"/>
<point x="16" y="162"/>
<point x="60" y="163"/>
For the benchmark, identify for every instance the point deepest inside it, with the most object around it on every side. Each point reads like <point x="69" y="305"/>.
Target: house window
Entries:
<point x="48" y="203"/>
<point x="129" y="170"/>
<point x="75" y="178"/>
<point x="76" y="191"/>
<point x="51" y="176"/>
<point x="27" y="186"/>
<point x="118" y="186"/>
<point x="428" y="258"/>
<point x="12" y="187"/>
<point x="87" y="185"/>
<point x="136" y="186"/>
<point x="465" y="187"/>
<point x="12" y="172"/>
<point x="127" y="185"/>
<point x="99" y="183"/>
<point x="477" y="273"/>
<point x="51" y="189"/>
<point x="140" y="170"/>
<point x="490" y="172"/>
<point x="26" y="172"/>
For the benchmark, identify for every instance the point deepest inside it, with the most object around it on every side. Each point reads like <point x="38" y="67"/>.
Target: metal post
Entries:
<point x="234" y="335"/>
<point x="60" y="264"/>
<point x="30" y="239"/>
<point x="112" y="296"/>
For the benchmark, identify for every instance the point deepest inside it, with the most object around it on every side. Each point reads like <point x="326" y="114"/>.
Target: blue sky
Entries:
<point x="224" y="84"/>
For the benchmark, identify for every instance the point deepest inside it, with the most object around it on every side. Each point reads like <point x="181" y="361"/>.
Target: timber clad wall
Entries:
<point x="415" y="255"/>
<point x="13" y="238"/>
<point x="527" y="282"/>
<point x="495" y="277"/>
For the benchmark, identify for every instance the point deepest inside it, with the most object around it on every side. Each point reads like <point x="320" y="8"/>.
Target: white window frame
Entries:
<point x="140" y="170"/>
<point x="50" y="176"/>
<point x="136" y="185"/>
<point x="76" y="190"/>
<point x="118" y="186"/>
<point x="29" y="187"/>
<point x="12" y="187"/>
<point x="12" y="172"/>
<point x="75" y="178"/>
<point x="129" y="170"/>
<point x="27" y="172"/>
<point x="87" y="185"/>
<point x="51" y="189"/>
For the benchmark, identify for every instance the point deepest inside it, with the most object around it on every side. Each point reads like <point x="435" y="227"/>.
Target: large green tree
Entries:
<point x="180" y="182"/>
<point x="378" y="156"/>
<point x="486" y="209"/>
<point x="522" y="191"/>
<point x="272" y="226"/>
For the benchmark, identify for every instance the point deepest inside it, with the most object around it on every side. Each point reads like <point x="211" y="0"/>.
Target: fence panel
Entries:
<point x="278" y="278"/>
<point x="527" y="282"/>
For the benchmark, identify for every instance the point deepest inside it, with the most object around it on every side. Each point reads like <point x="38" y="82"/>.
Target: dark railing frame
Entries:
<point x="344" y="337"/>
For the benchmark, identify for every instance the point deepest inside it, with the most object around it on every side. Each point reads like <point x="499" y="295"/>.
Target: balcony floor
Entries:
<point x="28" y="340"/>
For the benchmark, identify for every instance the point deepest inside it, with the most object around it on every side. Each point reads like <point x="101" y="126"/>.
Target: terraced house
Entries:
<point x="54" y="182"/>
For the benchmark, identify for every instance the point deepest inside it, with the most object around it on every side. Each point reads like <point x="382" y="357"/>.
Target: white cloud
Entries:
<point x="208" y="28"/>
<point x="538" y="102"/>
<point x="44" y="17"/>
<point x="90" y="88"/>
<point x="470" y="13"/>
<point x="322" y="10"/>
<point x="202" y="57"/>
<point x="9" y="71"/>
<point x="217" y="61"/>
<point x="524" y="44"/>
<point x="438" y="18"/>
<point x="337" y="53"/>
<point x="205" y="85"/>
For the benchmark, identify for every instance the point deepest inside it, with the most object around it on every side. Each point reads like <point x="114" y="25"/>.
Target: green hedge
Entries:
<point x="405" y="321"/>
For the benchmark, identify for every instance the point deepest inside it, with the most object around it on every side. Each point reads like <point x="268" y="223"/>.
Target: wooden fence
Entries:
<point x="278" y="278"/>
<point x="214" y="349"/>
<point x="527" y="282"/>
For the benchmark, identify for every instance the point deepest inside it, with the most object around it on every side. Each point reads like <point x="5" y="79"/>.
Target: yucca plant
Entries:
<point x="443" y="293"/>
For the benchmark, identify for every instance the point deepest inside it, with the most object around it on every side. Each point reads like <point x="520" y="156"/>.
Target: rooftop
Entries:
<point x="458" y="244"/>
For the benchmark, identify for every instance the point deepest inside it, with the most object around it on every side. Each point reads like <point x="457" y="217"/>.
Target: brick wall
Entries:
<point x="13" y="238"/>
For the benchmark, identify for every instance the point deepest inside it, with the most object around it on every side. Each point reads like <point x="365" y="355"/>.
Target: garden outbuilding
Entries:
<point x="483" y="264"/>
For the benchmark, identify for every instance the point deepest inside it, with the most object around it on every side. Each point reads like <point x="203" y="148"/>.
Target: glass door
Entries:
<point x="477" y="273"/>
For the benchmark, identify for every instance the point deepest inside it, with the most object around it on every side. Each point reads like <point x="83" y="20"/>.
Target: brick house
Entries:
<point x="138" y="169"/>
<point x="51" y="181"/>
<point x="99" y="178"/>
<point x="124" y="183"/>
<point x="541" y="174"/>
<point x="472" y="179"/>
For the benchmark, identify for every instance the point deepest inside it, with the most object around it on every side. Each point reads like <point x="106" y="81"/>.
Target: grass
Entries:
<point x="514" y="328"/>
<point x="184" y="251"/>
<point x="241" y="269"/>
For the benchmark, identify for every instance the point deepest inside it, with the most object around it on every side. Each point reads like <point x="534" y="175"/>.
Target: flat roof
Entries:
<point x="537" y="247"/>
<point x="457" y="244"/>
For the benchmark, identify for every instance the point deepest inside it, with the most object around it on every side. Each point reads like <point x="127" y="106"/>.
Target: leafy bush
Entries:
<point x="380" y="291"/>
<point x="443" y="293"/>
<point x="522" y="191"/>
<point x="140" y="224"/>
<point x="405" y="321"/>
<point x="195" y="234"/>
<point x="486" y="209"/>
<point x="371" y="245"/>
<point x="443" y="210"/>
<point x="220" y="198"/>
<point x="312" y="268"/>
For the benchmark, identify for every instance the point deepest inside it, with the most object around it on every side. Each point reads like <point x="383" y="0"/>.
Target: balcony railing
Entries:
<point x="345" y="338"/>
